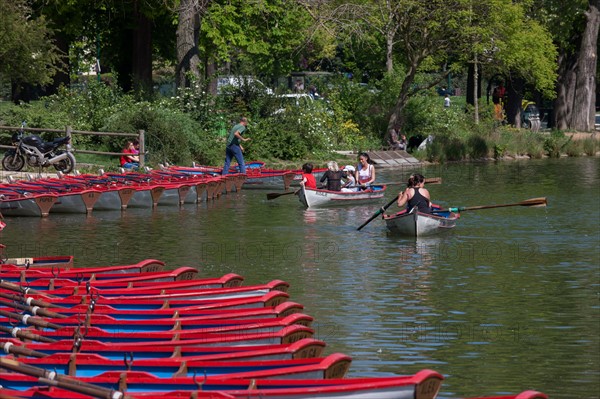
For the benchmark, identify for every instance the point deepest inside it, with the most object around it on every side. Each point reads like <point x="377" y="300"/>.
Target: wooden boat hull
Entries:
<point x="324" y="198"/>
<point x="417" y="224"/>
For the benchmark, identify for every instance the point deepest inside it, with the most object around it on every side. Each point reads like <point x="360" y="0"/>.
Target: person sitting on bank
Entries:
<point x="333" y="175"/>
<point x="349" y="181"/>
<point x="397" y="143"/>
<point x="308" y="179"/>
<point x="130" y="158"/>
<point x="365" y="172"/>
<point x="415" y="195"/>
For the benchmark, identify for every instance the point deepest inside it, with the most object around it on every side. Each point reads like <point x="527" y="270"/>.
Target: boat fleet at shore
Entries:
<point x="140" y="331"/>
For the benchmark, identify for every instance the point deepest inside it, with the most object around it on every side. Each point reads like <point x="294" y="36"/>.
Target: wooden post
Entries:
<point x="142" y="148"/>
<point x="68" y="133"/>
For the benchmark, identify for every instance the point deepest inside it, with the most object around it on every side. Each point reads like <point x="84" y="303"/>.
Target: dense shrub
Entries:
<point x="171" y="136"/>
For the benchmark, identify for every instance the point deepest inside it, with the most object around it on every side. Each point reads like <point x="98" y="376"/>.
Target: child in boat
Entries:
<point x="308" y="179"/>
<point x="130" y="158"/>
<point x="349" y="181"/>
<point x="415" y="195"/>
<point x="333" y="176"/>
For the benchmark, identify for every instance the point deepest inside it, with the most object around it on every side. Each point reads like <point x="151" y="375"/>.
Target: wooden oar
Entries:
<point x="60" y="380"/>
<point x="533" y="202"/>
<point x="9" y="347"/>
<point x="30" y="320"/>
<point x="35" y="310"/>
<point x="30" y="301"/>
<point x="25" y="334"/>
<point x="432" y="180"/>
<point x="17" y="288"/>
<point x="271" y="196"/>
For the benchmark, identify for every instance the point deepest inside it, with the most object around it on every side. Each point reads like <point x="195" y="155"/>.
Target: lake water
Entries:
<point x="507" y="301"/>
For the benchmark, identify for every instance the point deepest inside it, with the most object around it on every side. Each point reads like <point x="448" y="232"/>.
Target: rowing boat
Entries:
<point x="314" y="198"/>
<point x="62" y="266"/>
<point x="422" y="385"/>
<point x="303" y="348"/>
<point x="418" y="224"/>
<point x="283" y="309"/>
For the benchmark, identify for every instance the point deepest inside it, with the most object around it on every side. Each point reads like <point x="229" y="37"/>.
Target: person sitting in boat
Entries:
<point x="308" y="179"/>
<point x="349" y="181"/>
<point x="333" y="175"/>
<point x="130" y="158"/>
<point x="365" y="172"/>
<point x="415" y="195"/>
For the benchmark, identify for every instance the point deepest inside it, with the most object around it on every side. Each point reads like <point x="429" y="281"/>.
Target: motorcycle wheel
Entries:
<point x="13" y="162"/>
<point x="66" y="165"/>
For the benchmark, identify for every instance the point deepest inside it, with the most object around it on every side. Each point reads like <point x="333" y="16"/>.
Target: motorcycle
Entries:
<point x="36" y="152"/>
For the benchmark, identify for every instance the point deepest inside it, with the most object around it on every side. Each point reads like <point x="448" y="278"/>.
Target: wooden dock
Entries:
<point x="393" y="158"/>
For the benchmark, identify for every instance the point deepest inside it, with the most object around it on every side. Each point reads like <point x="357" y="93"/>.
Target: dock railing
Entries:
<point x="70" y="132"/>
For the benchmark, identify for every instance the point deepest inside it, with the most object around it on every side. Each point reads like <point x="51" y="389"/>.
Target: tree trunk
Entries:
<point x="565" y="89"/>
<point x="61" y="77"/>
<point x="188" y="30"/>
<point x="211" y="76"/>
<point x="584" y="100"/>
<point x="389" y="53"/>
<point x="514" y="90"/>
<point x="396" y="118"/>
<point x="475" y="93"/>
<point x="142" y="53"/>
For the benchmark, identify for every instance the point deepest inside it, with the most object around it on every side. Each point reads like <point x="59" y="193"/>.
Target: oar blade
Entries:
<point x="535" y="202"/>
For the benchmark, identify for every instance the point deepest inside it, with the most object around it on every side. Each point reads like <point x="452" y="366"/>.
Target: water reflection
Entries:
<point x="506" y="302"/>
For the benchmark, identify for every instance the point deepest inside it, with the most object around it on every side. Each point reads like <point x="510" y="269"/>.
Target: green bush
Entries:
<point x="554" y="144"/>
<point x="171" y="136"/>
<point x="590" y="146"/>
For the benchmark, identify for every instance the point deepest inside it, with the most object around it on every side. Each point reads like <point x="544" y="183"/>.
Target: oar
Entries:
<point x="9" y="347"/>
<point x="432" y="180"/>
<point x="271" y="196"/>
<point x="17" y="288"/>
<point x="533" y="202"/>
<point x="25" y="335"/>
<point x="30" y="320"/>
<point x="35" y="310"/>
<point x="30" y="301"/>
<point x="60" y="380"/>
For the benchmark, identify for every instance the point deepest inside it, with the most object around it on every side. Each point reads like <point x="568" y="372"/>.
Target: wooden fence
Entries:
<point x="70" y="132"/>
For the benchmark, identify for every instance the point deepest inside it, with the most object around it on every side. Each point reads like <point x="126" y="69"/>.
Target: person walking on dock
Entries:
<point x="234" y="148"/>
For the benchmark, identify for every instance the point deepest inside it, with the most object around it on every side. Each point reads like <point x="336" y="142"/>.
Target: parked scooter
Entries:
<point x="38" y="153"/>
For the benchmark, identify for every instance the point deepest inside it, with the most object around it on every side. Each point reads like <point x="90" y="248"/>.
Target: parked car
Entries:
<point x="241" y="81"/>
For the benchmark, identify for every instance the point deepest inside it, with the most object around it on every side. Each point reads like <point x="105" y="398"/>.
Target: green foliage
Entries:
<point x="171" y="136"/>
<point x="89" y="106"/>
<point x="27" y="52"/>
<point x="590" y="146"/>
<point x="555" y="143"/>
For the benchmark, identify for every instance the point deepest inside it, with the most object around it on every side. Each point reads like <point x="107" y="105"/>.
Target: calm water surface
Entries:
<point x="508" y="301"/>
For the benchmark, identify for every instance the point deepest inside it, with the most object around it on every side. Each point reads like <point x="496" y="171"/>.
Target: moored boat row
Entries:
<point x="166" y="339"/>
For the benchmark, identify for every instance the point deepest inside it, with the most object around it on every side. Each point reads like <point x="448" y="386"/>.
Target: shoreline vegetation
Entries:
<point x="191" y="127"/>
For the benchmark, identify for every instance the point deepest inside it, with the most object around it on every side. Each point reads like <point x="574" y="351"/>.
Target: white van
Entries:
<point x="239" y="81"/>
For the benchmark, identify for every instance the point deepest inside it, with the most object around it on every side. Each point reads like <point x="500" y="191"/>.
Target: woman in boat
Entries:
<point x="130" y="158"/>
<point x="365" y="172"/>
<point x="333" y="175"/>
<point x="415" y="195"/>
<point x="308" y="179"/>
<point x="349" y="181"/>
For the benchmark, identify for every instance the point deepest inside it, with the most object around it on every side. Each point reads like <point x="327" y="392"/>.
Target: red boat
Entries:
<point x="62" y="266"/>
<point x="281" y="310"/>
<point x="303" y="348"/>
<point x="272" y="298"/>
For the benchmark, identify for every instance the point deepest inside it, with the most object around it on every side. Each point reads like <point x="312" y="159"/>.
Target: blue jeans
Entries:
<point x="130" y="165"/>
<point x="234" y="151"/>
